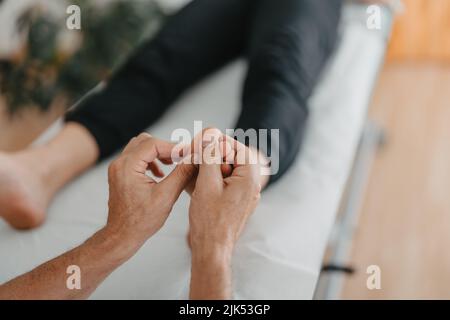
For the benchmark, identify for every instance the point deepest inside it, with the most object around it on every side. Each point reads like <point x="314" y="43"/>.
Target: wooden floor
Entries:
<point x="405" y="222"/>
<point x="422" y="31"/>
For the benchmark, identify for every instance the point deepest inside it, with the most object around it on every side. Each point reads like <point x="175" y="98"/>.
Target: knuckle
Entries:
<point x="257" y="197"/>
<point x="195" y="193"/>
<point x="145" y="135"/>
<point x="114" y="168"/>
<point x="211" y="132"/>
<point x="256" y="190"/>
<point x="254" y="183"/>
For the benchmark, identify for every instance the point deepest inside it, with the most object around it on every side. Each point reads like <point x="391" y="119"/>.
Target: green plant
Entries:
<point x="44" y="68"/>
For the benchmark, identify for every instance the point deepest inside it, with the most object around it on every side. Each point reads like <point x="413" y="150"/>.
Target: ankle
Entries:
<point x="39" y="160"/>
<point x="62" y="159"/>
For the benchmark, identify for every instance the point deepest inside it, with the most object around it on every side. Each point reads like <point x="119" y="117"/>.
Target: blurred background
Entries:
<point x="404" y="223"/>
<point x="45" y="67"/>
<point x="404" y="226"/>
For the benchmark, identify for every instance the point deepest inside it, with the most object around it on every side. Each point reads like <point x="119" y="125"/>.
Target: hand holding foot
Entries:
<point x="218" y="213"/>
<point x="139" y="214"/>
<point x="138" y="207"/>
<point x="226" y="147"/>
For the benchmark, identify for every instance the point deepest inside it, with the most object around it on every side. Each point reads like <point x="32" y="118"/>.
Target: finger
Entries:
<point x="210" y="173"/>
<point x="228" y="158"/>
<point x="227" y="150"/>
<point x="143" y="136"/>
<point x="166" y="161"/>
<point x="210" y="167"/>
<point x="143" y="150"/>
<point x="149" y="149"/>
<point x="130" y="145"/>
<point x="191" y="184"/>
<point x="243" y="156"/>
<point x="177" y="180"/>
<point x="204" y="138"/>
<point x="180" y="152"/>
<point x="156" y="169"/>
<point x="136" y="141"/>
<point x="226" y="169"/>
<point x="190" y="187"/>
<point x="245" y="161"/>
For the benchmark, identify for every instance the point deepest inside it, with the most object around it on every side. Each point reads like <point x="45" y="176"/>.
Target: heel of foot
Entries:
<point x="24" y="219"/>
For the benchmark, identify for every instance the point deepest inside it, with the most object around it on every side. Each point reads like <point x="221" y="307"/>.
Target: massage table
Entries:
<point x="280" y="253"/>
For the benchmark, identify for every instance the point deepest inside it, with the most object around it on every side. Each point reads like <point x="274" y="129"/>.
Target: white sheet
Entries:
<point x="280" y="253"/>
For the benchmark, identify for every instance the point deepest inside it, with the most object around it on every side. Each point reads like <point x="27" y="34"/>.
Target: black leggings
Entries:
<point x="286" y="43"/>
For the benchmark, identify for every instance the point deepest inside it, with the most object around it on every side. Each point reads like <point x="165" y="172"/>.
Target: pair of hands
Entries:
<point x="222" y="197"/>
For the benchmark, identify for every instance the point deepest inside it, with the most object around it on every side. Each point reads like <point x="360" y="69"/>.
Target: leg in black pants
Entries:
<point x="287" y="43"/>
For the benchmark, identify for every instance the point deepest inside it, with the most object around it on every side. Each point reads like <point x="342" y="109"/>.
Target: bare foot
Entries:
<point x="23" y="194"/>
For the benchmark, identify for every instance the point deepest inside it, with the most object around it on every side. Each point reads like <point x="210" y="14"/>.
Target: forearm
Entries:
<point x="211" y="276"/>
<point x="97" y="258"/>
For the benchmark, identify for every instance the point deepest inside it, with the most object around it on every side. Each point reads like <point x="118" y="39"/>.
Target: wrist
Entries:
<point x="215" y="254"/>
<point x="211" y="242"/>
<point x="119" y="248"/>
<point x="211" y="274"/>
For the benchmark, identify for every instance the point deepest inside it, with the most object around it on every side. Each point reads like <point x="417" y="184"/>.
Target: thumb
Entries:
<point x="177" y="180"/>
<point x="210" y="172"/>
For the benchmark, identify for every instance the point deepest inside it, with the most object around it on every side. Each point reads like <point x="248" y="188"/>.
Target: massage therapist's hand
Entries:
<point x="218" y="212"/>
<point x="138" y="205"/>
